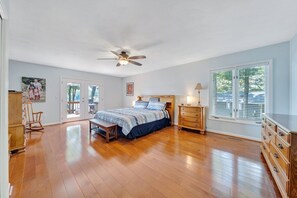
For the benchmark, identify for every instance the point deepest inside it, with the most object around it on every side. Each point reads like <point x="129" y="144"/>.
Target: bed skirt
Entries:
<point x="145" y="129"/>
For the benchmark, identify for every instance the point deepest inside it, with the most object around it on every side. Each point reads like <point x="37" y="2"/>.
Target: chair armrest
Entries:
<point x="40" y="112"/>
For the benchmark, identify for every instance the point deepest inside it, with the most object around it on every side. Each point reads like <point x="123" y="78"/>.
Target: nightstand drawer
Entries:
<point x="189" y="119"/>
<point x="190" y="124"/>
<point x="190" y="114"/>
<point x="190" y="109"/>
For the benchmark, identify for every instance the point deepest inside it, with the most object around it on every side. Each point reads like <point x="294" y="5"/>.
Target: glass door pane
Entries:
<point x="93" y="99"/>
<point x="73" y="100"/>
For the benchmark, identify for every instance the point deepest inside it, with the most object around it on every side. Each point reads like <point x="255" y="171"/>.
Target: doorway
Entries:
<point x="80" y="99"/>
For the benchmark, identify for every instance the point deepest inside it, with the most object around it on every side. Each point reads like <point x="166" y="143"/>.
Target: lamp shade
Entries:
<point x="189" y="100"/>
<point x="198" y="86"/>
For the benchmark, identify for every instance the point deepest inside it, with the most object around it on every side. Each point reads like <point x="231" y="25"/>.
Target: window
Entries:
<point x="240" y="93"/>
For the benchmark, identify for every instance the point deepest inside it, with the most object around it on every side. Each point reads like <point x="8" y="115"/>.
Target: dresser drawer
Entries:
<point x="190" y="124"/>
<point x="190" y="114"/>
<point x="265" y="149"/>
<point x="281" y="180"/>
<point x="283" y="164"/>
<point x="190" y="119"/>
<point x="190" y="109"/>
<point x="265" y="138"/>
<point x="263" y="126"/>
<point x="17" y="137"/>
<point x="283" y="148"/>
<point x="270" y="134"/>
<point x="283" y="135"/>
<point x="271" y="125"/>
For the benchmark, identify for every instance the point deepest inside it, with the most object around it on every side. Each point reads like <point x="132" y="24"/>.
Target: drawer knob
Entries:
<point x="264" y="138"/>
<point x="281" y="134"/>
<point x="275" y="169"/>
<point x="280" y="146"/>
<point x="275" y="155"/>
<point x="269" y="134"/>
<point x="262" y="126"/>
<point x="269" y="124"/>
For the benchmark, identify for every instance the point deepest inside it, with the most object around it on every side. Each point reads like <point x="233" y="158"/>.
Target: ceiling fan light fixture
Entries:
<point x="123" y="61"/>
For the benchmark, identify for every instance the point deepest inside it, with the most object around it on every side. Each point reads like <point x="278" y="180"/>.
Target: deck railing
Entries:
<point x="72" y="107"/>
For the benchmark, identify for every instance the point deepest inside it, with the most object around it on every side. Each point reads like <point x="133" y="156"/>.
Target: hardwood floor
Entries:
<point x="63" y="162"/>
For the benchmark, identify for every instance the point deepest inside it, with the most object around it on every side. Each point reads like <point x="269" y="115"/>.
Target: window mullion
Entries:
<point x="234" y="93"/>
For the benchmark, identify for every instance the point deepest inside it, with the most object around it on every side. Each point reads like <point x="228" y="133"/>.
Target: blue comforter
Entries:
<point x="127" y="118"/>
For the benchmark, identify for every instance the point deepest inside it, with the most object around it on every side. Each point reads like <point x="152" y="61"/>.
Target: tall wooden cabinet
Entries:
<point x="16" y="125"/>
<point x="279" y="148"/>
<point x="191" y="117"/>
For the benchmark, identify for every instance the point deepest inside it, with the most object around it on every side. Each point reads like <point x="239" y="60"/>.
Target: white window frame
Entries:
<point x="235" y="69"/>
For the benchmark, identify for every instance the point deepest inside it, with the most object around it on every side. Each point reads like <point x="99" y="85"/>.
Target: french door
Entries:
<point x="80" y="99"/>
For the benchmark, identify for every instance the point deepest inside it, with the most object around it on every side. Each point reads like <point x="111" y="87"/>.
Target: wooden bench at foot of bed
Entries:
<point x="108" y="130"/>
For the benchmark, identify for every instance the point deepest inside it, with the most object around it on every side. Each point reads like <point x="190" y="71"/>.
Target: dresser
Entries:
<point x="16" y="126"/>
<point x="279" y="148"/>
<point x="191" y="117"/>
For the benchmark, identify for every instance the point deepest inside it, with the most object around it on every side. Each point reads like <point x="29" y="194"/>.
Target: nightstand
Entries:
<point x="191" y="117"/>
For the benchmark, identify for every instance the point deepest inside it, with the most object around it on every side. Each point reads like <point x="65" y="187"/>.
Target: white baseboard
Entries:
<point x="53" y="123"/>
<point x="232" y="134"/>
<point x="10" y="189"/>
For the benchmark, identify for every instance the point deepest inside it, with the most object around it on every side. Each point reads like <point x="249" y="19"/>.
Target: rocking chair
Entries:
<point x="33" y="119"/>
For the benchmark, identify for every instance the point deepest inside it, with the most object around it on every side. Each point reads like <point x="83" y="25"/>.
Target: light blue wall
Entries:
<point x="293" y="89"/>
<point x="51" y="108"/>
<point x="181" y="81"/>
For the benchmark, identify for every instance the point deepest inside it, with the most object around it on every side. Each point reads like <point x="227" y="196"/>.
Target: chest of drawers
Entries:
<point x="279" y="148"/>
<point x="191" y="117"/>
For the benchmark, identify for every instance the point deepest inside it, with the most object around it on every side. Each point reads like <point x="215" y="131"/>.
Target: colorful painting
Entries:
<point x="130" y="89"/>
<point x="34" y="89"/>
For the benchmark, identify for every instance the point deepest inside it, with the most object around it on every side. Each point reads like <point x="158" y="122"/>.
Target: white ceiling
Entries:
<point x="73" y="33"/>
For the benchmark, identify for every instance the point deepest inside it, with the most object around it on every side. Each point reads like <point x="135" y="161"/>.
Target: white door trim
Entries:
<point x="64" y="78"/>
<point x="4" y="166"/>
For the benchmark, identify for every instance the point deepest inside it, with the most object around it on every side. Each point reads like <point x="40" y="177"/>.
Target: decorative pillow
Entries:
<point x="156" y="105"/>
<point x="154" y="100"/>
<point x="141" y="104"/>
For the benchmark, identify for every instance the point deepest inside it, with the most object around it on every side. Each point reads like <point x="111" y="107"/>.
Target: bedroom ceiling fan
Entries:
<point x="123" y="58"/>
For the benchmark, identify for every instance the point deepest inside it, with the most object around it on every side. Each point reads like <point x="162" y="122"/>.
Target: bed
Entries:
<point x="133" y="123"/>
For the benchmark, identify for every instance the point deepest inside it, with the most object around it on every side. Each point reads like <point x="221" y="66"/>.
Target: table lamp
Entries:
<point x="198" y="87"/>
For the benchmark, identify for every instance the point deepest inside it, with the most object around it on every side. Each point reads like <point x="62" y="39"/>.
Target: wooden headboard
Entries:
<point x="170" y="103"/>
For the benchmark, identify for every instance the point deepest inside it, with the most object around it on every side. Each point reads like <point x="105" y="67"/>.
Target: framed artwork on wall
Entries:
<point x="34" y="89"/>
<point x="130" y="89"/>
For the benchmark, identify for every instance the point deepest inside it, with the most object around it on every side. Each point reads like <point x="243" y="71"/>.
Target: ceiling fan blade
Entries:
<point x="106" y="59"/>
<point x="137" y="57"/>
<point x="115" y="53"/>
<point x="135" y="63"/>
<point x="118" y="65"/>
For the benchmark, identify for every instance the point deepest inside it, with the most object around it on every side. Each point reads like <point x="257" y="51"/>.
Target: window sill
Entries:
<point x="235" y="121"/>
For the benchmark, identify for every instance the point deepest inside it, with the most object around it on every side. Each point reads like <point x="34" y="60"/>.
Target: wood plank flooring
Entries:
<point x="64" y="162"/>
